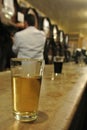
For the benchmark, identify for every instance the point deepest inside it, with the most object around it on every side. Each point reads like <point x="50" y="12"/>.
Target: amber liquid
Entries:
<point x="26" y="92"/>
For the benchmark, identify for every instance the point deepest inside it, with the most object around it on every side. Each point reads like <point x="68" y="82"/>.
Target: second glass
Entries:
<point x="58" y="64"/>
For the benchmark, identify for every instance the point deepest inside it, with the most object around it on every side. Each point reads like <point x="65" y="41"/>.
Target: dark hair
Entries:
<point x="30" y="19"/>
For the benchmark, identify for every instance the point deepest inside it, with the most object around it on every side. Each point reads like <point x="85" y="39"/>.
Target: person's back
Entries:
<point x="29" y="43"/>
<point x="6" y="52"/>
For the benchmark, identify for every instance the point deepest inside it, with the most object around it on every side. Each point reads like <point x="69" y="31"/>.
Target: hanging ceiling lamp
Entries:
<point x="46" y="26"/>
<point x="23" y="3"/>
<point x="55" y="32"/>
<point x="8" y="8"/>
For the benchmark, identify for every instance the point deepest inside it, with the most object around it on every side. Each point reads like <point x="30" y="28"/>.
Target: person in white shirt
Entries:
<point x="29" y="43"/>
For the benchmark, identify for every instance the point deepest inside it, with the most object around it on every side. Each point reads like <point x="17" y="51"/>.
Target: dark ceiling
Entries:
<point x="70" y="15"/>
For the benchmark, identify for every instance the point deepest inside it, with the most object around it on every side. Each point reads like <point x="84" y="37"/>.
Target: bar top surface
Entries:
<point x="59" y="99"/>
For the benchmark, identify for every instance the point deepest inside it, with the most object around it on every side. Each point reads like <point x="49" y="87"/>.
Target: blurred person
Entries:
<point x="49" y="50"/>
<point x="6" y="52"/>
<point x="50" y="46"/>
<point x="29" y="43"/>
<point x="77" y="55"/>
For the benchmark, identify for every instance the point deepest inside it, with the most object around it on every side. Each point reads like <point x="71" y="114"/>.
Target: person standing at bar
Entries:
<point x="6" y="43"/>
<point x="29" y="43"/>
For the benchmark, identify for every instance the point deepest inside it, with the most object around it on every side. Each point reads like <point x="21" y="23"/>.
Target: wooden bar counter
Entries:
<point x="59" y="99"/>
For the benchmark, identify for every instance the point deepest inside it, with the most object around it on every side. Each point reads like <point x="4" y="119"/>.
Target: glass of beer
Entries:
<point x="26" y="76"/>
<point x="58" y="64"/>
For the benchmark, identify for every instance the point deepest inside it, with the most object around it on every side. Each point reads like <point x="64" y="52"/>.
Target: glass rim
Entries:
<point x="25" y="59"/>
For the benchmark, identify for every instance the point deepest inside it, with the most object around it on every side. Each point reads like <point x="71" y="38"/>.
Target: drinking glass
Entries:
<point x="26" y="77"/>
<point x="58" y="64"/>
